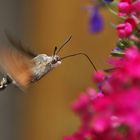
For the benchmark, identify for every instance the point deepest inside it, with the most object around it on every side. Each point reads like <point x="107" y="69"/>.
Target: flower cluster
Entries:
<point x="112" y="112"/>
<point x="129" y="29"/>
<point x="129" y="8"/>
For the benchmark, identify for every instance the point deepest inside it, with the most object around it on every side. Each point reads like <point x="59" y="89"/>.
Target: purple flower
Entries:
<point x="96" y="21"/>
<point x="108" y="1"/>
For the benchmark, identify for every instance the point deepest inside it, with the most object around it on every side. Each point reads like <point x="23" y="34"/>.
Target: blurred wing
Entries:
<point x="19" y="45"/>
<point x="16" y="65"/>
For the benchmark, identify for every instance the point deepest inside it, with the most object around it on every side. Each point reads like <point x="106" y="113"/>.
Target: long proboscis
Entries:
<point x="83" y="55"/>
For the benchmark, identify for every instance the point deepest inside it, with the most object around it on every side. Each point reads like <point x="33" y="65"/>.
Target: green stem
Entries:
<point x="112" y="11"/>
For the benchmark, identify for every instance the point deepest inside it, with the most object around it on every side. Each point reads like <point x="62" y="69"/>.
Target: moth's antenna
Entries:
<point x="80" y="54"/>
<point x="63" y="45"/>
<point x="55" y="49"/>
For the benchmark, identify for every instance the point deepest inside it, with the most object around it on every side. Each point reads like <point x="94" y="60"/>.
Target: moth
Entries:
<point x="22" y="66"/>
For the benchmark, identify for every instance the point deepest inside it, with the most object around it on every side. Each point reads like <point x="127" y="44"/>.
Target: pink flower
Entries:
<point x="129" y="8"/>
<point x="99" y="76"/>
<point x="81" y="103"/>
<point x="100" y="123"/>
<point x="134" y="38"/>
<point x="114" y="114"/>
<point x="135" y="8"/>
<point x="132" y="21"/>
<point x="124" y="30"/>
<point x="132" y="52"/>
<point x="124" y="8"/>
<point x="132" y="64"/>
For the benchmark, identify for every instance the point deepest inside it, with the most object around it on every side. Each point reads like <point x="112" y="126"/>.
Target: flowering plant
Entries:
<point x="112" y="112"/>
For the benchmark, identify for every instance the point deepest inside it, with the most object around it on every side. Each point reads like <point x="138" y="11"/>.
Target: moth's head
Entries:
<point x="55" y="60"/>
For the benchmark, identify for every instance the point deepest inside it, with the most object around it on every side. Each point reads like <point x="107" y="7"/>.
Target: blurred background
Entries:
<point x="43" y="111"/>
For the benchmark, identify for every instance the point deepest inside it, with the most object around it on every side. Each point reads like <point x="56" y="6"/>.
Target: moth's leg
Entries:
<point x="4" y="82"/>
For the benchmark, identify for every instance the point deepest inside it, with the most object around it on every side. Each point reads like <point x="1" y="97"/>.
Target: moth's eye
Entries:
<point x="57" y="58"/>
<point x="54" y="61"/>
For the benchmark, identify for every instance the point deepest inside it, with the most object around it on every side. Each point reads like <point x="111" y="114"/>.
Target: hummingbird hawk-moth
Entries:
<point x="22" y="66"/>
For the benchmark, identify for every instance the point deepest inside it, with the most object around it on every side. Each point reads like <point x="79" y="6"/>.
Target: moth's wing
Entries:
<point x="20" y="46"/>
<point x="17" y="65"/>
